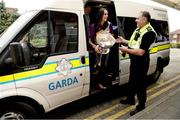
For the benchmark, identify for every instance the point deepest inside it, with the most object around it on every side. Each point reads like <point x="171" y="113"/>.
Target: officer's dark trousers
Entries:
<point x="137" y="81"/>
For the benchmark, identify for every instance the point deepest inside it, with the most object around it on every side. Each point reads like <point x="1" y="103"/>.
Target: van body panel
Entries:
<point x="35" y="95"/>
<point x="128" y="8"/>
<point x="164" y="49"/>
<point x="56" y="86"/>
<point x="65" y="5"/>
<point x="124" y="70"/>
<point x="7" y="90"/>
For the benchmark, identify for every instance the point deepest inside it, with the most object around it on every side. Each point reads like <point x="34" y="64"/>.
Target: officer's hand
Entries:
<point x="123" y="48"/>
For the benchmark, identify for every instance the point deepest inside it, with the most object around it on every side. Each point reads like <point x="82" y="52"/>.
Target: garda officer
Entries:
<point x="138" y="50"/>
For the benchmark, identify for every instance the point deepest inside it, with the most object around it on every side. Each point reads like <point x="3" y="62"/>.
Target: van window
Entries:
<point x="34" y="40"/>
<point x="126" y="26"/>
<point x="37" y="35"/>
<point x="162" y="30"/>
<point x="65" y="32"/>
<point x="49" y="33"/>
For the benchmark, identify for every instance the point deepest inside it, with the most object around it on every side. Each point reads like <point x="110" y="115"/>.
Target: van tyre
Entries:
<point x="154" y="77"/>
<point x="18" y="111"/>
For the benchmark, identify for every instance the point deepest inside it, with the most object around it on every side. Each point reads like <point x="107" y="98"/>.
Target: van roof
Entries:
<point x="62" y="4"/>
<point x="129" y="8"/>
<point x="126" y="8"/>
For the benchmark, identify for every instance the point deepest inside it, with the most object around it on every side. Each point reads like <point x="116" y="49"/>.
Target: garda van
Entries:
<point x="44" y="61"/>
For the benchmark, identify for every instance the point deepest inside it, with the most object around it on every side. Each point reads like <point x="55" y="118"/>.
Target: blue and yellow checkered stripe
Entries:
<point x="47" y="69"/>
<point x="155" y="49"/>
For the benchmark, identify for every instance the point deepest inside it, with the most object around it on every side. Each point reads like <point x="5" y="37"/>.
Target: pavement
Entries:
<point x="167" y="107"/>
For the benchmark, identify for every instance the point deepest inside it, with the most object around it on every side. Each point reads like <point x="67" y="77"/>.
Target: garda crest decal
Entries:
<point x="64" y="67"/>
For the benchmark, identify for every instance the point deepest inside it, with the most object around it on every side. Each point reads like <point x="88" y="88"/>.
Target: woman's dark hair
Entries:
<point x="100" y="17"/>
<point x="87" y="5"/>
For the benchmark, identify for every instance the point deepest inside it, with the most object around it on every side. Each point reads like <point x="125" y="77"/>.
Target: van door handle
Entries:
<point x="83" y="60"/>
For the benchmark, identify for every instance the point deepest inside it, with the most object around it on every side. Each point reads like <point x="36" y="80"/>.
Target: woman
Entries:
<point x="102" y="25"/>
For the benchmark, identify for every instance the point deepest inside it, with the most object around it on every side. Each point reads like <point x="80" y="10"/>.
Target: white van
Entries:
<point x="44" y="61"/>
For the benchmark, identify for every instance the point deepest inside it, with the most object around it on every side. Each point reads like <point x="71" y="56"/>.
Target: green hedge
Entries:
<point x="175" y="45"/>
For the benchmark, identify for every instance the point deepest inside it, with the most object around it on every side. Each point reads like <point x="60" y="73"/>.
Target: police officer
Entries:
<point x="138" y="50"/>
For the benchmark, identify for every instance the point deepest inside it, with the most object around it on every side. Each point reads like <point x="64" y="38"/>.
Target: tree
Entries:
<point x="6" y="19"/>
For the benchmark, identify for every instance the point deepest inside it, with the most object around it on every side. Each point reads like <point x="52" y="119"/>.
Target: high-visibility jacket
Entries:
<point x="136" y="38"/>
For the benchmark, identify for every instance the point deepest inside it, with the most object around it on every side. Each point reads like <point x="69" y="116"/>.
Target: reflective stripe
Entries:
<point x="47" y="69"/>
<point x="50" y="68"/>
<point x="7" y="78"/>
<point x="155" y="49"/>
<point x="76" y="63"/>
<point x="163" y="47"/>
<point x="87" y="61"/>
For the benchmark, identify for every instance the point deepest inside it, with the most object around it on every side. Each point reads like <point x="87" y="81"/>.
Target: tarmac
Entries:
<point x="167" y="107"/>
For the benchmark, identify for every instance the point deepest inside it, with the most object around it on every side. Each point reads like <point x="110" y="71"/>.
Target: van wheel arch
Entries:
<point x="23" y="106"/>
<point x="160" y="64"/>
<point x="152" y="78"/>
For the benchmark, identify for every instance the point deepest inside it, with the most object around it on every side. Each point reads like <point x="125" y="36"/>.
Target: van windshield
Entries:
<point x="8" y="35"/>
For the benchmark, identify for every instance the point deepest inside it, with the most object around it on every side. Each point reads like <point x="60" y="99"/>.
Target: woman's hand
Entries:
<point x="98" y="49"/>
<point x="120" y="39"/>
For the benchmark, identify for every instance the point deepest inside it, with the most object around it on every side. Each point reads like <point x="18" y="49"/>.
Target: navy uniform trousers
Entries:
<point x="137" y="80"/>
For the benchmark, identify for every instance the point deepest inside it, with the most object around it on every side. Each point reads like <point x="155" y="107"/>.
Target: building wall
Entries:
<point x="11" y="10"/>
<point x="175" y="36"/>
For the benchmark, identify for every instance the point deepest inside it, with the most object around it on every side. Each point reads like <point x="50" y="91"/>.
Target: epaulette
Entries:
<point x="149" y="28"/>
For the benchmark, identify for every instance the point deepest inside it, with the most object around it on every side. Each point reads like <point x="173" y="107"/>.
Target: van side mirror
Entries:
<point x="16" y="53"/>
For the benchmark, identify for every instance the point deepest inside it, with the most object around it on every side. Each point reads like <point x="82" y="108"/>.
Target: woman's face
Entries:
<point x="105" y="16"/>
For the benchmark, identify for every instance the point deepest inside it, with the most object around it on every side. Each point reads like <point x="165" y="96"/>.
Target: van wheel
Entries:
<point x="18" y="111"/>
<point x="155" y="76"/>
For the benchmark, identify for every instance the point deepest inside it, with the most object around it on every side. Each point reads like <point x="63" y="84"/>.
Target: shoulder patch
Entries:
<point x="149" y="29"/>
